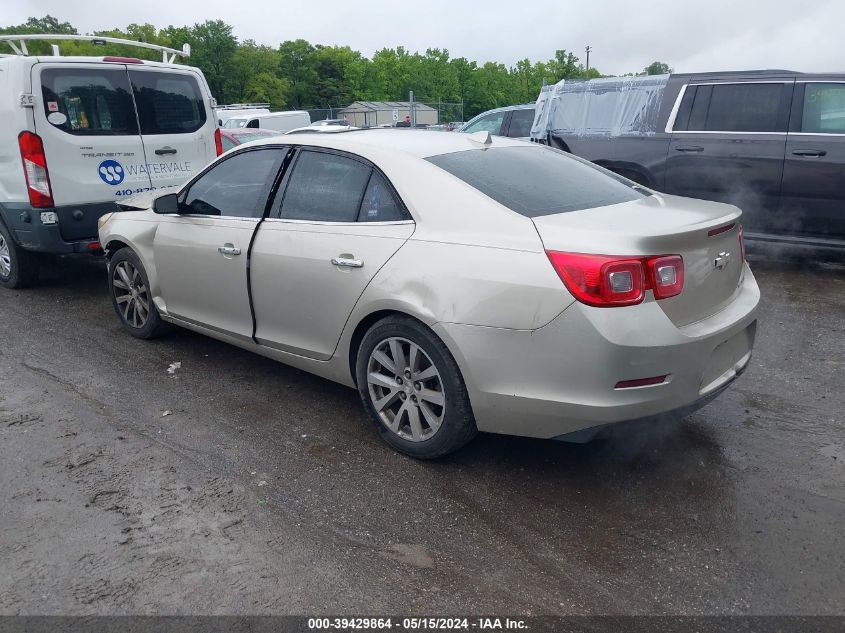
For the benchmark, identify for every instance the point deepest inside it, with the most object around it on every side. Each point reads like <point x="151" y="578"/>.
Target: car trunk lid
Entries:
<point x="705" y="234"/>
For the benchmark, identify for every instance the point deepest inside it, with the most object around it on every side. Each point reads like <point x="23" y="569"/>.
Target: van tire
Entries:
<point x="23" y="265"/>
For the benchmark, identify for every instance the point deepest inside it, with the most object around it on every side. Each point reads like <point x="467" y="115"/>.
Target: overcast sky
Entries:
<point x="625" y="35"/>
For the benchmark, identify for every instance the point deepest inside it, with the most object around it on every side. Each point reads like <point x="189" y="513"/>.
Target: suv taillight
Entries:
<point x="218" y="141"/>
<point x="35" y="170"/>
<point x="607" y="281"/>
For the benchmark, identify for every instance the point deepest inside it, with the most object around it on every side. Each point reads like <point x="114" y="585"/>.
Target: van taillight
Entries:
<point x="35" y="170"/>
<point x="218" y="141"/>
<point x="607" y="281"/>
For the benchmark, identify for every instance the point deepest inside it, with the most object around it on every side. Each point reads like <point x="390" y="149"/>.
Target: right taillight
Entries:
<point x="35" y="170"/>
<point x="218" y="141"/>
<point x="606" y="281"/>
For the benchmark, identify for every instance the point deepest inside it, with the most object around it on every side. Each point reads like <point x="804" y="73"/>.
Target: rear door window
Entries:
<point x="750" y="107"/>
<point x="824" y="109"/>
<point x="537" y="180"/>
<point x="325" y="187"/>
<point x="168" y="103"/>
<point x="379" y="204"/>
<point x="521" y="122"/>
<point x="89" y="102"/>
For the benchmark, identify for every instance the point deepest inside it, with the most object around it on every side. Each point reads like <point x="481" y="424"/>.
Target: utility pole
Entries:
<point x="588" y="49"/>
<point x="413" y="109"/>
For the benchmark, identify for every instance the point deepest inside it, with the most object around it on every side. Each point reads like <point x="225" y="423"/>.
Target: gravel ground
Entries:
<point x="236" y="485"/>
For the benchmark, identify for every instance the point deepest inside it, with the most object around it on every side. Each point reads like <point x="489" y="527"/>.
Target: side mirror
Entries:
<point x="166" y="204"/>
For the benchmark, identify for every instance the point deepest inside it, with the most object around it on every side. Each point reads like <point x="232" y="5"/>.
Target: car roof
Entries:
<point x="419" y="143"/>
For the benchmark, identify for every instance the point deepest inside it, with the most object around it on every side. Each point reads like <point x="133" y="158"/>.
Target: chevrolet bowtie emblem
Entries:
<point x="722" y="260"/>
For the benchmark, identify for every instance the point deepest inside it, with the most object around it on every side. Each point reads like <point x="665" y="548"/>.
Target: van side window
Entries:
<point x="751" y="107"/>
<point x="168" y="103"/>
<point x="92" y="102"/>
<point x="824" y="109"/>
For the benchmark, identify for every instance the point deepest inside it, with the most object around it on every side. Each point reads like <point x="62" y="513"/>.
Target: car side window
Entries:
<point x="751" y="107"/>
<point x="379" y="204"/>
<point x="491" y="123"/>
<point x="824" y="109"/>
<point x="237" y="186"/>
<point x="521" y="122"/>
<point x="325" y="187"/>
<point x="88" y="102"/>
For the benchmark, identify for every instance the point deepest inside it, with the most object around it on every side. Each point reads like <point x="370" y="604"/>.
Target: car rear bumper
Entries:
<point x="74" y="232"/>
<point x="562" y="378"/>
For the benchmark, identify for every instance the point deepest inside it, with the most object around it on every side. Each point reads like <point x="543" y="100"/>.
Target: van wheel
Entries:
<point x="132" y="299"/>
<point x="18" y="267"/>
<point x="413" y="390"/>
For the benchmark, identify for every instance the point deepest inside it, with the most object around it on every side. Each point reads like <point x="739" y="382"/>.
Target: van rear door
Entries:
<point x="177" y="124"/>
<point x="86" y="120"/>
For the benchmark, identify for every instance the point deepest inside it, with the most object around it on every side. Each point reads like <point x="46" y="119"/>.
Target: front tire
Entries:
<point x="413" y="390"/>
<point x="129" y="287"/>
<point x="18" y="267"/>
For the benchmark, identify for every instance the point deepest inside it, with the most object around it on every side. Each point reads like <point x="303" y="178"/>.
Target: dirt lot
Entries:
<point x="238" y="485"/>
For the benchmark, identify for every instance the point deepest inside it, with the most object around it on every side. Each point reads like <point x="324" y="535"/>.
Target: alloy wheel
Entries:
<point x="406" y="389"/>
<point x="131" y="294"/>
<point x="5" y="258"/>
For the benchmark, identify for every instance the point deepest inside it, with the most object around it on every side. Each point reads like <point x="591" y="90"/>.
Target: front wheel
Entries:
<point x="131" y="296"/>
<point x="413" y="390"/>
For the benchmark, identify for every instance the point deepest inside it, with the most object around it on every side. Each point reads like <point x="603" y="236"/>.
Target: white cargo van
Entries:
<point x="239" y="111"/>
<point x="278" y="121"/>
<point x="80" y="133"/>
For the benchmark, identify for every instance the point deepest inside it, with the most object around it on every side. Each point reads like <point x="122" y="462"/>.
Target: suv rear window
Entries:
<point x="537" y="180"/>
<point x="91" y="102"/>
<point x="168" y="103"/>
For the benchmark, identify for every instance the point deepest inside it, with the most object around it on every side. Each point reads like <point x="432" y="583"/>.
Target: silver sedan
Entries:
<point x="461" y="283"/>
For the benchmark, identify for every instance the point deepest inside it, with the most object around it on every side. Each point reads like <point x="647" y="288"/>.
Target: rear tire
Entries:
<point x="129" y="288"/>
<point x="419" y="404"/>
<point x="18" y="267"/>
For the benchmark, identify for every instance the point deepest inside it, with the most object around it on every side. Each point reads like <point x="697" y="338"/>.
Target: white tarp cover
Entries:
<point x="617" y="106"/>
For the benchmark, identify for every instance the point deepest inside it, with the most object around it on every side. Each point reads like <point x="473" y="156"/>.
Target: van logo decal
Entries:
<point x="111" y="172"/>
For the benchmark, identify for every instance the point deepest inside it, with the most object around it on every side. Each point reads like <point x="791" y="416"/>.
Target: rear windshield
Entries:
<point x="89" y="102"/>
<point x="168" y="103"/>
<point x="537" y="180"/>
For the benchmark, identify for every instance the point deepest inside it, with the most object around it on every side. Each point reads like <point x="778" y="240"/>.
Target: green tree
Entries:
<point x="213" y="49"/>
<point x="657" y="68"/>
<point x="298" y="65"/>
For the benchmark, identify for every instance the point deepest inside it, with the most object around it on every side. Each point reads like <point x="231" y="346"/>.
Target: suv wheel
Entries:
<point x="413" y="390"/>
<point x="18" y="267"/>
<point x="131" y="297"/>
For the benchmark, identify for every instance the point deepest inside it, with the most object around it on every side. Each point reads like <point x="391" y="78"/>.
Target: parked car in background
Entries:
<point x="233" y="137"/>
<point x="342" y="254"/>
<point x="239" y="111"/>
<point x="512" y="121"/>
<point x="278" y="121"/>
<point x="322" y="129"/>
<point x="80" y="133"/>
<point x="771" y="142"/>
<point x="340" y="122"/>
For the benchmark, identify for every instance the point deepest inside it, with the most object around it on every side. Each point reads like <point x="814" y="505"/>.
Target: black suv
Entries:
<point x="771" y="142"/>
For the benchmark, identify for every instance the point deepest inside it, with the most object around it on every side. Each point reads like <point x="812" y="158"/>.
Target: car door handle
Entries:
<point x="809" y="152"/>
<point x="229" y="250"/>
<point x="689" y="148"/>
<point x="161" y="151"/>
<point x="348" y="262"/>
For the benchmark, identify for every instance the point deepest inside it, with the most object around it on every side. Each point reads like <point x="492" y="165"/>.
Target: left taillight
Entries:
<point x="606" y="281"/>
<point x="218" y="141"/>
<point x="35" y="170"/>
